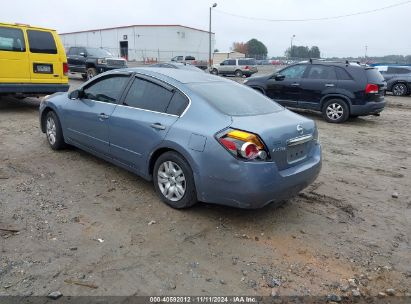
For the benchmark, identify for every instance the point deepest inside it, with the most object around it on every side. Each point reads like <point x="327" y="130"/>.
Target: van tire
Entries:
<point x="84" y="76"/>
<point x="214" y="72"/>
<point x="91" y="72"/>
<point x="238" y="73"/>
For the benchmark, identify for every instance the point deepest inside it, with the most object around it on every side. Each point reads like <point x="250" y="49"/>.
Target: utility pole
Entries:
<point x="291" y="48"/>
<point x="209" y="37"/>
<point x="366" y="49"/>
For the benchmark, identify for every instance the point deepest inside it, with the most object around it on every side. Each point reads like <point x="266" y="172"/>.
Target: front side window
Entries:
<point x="322" y="72"/>
<point x="12" y="39"/>
<point x="108" y="89"/>
<point x="41" y="42"/>
<point x="147" y="95"/>
<point x="231" y="62"/>
<point x="293" y="72"/>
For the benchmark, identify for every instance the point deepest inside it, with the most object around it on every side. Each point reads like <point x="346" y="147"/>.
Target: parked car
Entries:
<point x="238" y="67"/>
<point x="177" y="65"/>
<point x="338" y="90"/>
<point x="201" y="64"/>
<point x="197" y="136"/>
<point x="92" y="61"/>
<point x="398" y="79"/>
<point x="32" y="61"/>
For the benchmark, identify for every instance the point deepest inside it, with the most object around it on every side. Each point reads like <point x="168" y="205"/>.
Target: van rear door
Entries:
<point x="46" y="62"/>
<point x="14" y="64"/>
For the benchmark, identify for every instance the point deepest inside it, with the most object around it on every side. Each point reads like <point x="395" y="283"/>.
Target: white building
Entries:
<point x="145" y="42"/>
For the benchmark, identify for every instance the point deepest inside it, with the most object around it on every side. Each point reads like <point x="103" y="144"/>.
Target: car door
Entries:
<point x="46" y="65"/>
<point x="318" y="81"/>
<point x="14" y="61"/>
<point x="141" y="122"/>
<point x="87" y="117"/>
<point x="284" y="86"/>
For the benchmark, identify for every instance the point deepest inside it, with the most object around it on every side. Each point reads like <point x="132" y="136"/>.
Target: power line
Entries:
<point x="316" y="19"/>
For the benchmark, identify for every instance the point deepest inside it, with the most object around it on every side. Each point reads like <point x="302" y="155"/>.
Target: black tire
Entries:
<point x="214" y="72"/>
<point x="399" y="89"/>
<point x="189" y="198"/>
<point x="84" y="76"/>
<point x="335" y="111"/>
<point x="238" y="73"/>
<point x="91" y="72"/>
<point x="54" y="134"/>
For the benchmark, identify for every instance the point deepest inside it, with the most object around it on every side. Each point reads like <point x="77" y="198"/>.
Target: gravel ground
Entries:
<point x="85" y="227"/>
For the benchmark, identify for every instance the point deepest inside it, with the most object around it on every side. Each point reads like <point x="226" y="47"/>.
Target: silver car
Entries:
<point x="238" y="67"/>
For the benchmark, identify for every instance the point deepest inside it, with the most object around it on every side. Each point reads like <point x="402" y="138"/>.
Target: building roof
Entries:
<point x="137" y="25"/>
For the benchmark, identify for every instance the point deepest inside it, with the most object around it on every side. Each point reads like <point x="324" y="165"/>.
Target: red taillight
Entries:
<point x="249" y="150"/>
<point x="228" y="144"/>
<point x="65" y="68"/>
<point x="243" y="145"/>
<point x="371" y="88"/>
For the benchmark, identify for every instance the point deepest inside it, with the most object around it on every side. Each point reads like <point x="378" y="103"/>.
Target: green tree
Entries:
<point x="256" y="49"/>
<point x="315" y="52"/>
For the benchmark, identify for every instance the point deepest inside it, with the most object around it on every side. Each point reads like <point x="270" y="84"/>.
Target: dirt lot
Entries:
<point x="81" y="220"/>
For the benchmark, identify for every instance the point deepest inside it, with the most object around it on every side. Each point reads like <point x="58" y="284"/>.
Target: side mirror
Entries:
<point x="83" y="54"/>
<point x="222" y="63"/>
<point x="76" y="94"/>
<point x="279" y="77"/>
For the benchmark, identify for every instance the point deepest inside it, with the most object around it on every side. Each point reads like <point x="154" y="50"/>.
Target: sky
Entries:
<point x="383" y="32"/>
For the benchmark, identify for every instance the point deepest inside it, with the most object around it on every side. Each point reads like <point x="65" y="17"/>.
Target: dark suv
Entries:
<point x="92" y="61"/>
<point x="337" y="89"/>
<point x="398" y="79"/>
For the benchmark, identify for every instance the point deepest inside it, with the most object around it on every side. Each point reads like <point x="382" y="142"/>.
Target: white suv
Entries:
<point x="239" y="67"/>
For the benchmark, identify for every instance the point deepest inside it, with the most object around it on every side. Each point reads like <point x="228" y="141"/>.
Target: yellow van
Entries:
<point x="32" y="61"/>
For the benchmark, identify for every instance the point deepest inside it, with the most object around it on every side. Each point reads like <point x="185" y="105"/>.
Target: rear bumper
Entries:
<point x="255" y="184"/>
<point x="369" y="108"/>
<point x="32" y="88"/>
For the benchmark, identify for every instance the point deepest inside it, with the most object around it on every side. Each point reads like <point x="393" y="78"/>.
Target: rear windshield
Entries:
<point x="373" y="75"/>
<point x="235" y="99"/>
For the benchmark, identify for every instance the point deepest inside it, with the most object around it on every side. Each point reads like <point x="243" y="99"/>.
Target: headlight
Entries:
<point x="101" y="61"/>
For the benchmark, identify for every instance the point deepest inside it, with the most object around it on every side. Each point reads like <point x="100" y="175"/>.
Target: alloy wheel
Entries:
<point x="171" y="181"/>
<point x="334" y="111"/>
<point x="399" y="89"/>
<point x="51" y="130"/>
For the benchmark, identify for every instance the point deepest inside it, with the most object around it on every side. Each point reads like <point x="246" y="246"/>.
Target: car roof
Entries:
<point x="20" y="25"/>
<point x="182" y="76"/>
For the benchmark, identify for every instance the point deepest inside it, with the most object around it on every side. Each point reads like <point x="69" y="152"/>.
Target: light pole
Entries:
<point x="291" y="48"/>
<point x="209" y="38"/>
<point x="366" y="49"/>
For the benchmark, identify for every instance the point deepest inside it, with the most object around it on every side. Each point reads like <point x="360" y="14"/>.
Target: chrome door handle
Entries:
<point x="158" y="126"/>
<point x="329" y="85"/>
<point x="295" y="84"/>
<point x="103" y="116"/>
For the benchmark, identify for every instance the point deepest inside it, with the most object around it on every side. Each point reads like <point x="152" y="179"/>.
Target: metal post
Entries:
<point x="209" y="37"/>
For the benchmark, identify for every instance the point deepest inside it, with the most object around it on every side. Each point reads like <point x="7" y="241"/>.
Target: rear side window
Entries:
<point x="322" y="72"/>
<point x="247" y="62"/>
<point x="12" y="40"/>
<point x="373" y="75"/>
<point x="107" y="89"/>
<point x="177" y="104"/>
<point x="41" y="42"/>
<point x="235" y="99"/>
<point x="146" y="95"/>
<point x="342" y="74"/>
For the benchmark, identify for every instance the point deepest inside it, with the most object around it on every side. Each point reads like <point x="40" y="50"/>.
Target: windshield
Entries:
<point x="98" y="52"/>
<point x="235" y="99"/>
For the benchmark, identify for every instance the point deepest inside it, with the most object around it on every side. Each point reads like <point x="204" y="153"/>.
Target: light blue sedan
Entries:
<point x="199" y="137"/>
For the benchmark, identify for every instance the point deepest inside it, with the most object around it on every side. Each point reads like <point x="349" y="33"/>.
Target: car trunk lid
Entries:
<point x="288" y="137"/>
